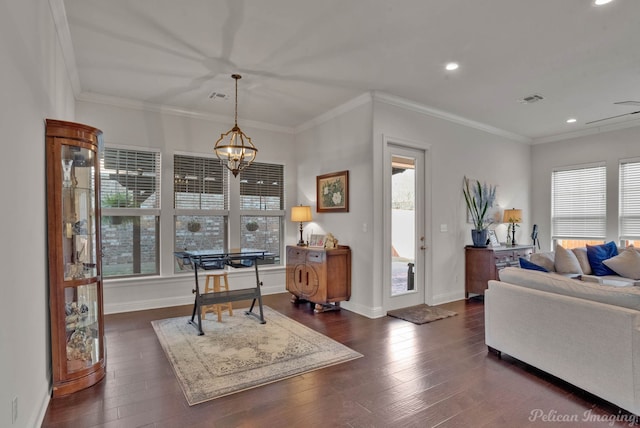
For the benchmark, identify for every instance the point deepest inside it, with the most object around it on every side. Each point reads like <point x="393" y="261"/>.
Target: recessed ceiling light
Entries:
<point x="452" y="66"/>
<point x="572" y="120"/>
<point x="601" y="2"/>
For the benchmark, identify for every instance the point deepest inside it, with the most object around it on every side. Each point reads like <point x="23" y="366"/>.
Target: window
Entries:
<point x="200" y="192"/>
<point x="203" y="207"/>
<point x="130" y="203"/>
<point x="578" y="205"/>
<point x="262" y="207"/>
<point x="629" y="202"/>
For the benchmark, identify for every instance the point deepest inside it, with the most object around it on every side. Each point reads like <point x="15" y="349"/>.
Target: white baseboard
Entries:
<point x="150" y="303"/>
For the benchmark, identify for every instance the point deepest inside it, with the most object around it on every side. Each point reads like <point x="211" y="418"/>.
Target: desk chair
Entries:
<point x="212" y="284"/>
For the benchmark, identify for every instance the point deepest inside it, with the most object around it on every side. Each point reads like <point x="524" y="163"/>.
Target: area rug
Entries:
<point x="421" y="314"/>
<point x="239" y="353"/>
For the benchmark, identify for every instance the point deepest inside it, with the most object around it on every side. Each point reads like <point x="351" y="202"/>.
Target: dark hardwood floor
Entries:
<point x="438" y="374"/>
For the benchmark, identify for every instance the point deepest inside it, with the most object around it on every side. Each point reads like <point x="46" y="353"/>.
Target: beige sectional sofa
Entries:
<point x="582" y="332"/>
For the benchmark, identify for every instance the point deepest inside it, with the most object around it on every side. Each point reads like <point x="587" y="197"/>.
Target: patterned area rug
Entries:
<point x="421" y="314"/>
<point x="240" y="353"/>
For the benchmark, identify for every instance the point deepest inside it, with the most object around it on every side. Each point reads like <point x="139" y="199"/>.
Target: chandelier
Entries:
<point x="234" y="149"/>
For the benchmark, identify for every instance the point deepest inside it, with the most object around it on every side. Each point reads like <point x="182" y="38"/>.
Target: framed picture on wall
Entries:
<point x="332" y="192"/>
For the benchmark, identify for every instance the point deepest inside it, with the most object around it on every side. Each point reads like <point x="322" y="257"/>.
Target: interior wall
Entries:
<point x="35" y="86"/>
<point x="609" y="147"/>
<point x="342" y="141"/>
<point x="455" y="151"/>
<point x="170" y="133"/>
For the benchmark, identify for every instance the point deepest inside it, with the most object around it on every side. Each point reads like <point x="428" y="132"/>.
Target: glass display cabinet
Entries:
<point x="75" y="272"/>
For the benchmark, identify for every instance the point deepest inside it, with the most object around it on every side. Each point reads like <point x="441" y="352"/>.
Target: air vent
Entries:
<point x="218" y="96"/>
<point x="531" y="99"/>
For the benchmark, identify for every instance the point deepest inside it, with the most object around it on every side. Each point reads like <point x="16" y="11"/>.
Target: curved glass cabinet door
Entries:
<point x="75" y="272"/>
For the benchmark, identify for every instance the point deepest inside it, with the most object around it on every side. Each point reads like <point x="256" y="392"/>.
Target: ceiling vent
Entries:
<point x="531" y="99"/>
<point x="218" y="96"/>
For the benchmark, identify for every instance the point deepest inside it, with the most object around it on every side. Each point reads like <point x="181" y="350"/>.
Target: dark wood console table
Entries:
<point x="483" y="264"/>
<point x="216" y="259"/>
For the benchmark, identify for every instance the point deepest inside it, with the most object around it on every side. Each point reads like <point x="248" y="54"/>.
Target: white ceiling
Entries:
<point x="301" y="58"/>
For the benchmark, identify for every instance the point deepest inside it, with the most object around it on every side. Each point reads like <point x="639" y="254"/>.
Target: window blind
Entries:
<point x="130" y="178"/>
<point x="578" y="206"/>
<point x="262" y="187"/>
<point x="199" y="183"/>
<point x="629" y="200"/>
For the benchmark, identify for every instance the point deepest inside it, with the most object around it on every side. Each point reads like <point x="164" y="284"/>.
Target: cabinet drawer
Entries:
<point x="525" y="253"/>
<point x="315" y="256"/>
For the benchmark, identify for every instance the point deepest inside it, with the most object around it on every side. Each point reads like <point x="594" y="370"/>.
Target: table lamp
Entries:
<point x="512" y="217"/>
<point x="301" y="214"/>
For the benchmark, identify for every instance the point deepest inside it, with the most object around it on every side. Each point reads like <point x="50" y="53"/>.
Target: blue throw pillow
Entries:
<point x="599" y="253"/>
<point x="526" y="264"/>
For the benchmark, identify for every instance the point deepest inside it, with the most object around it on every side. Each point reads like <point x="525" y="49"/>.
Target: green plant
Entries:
<point x="479" y="199"/>
<point x="118" y="200"/>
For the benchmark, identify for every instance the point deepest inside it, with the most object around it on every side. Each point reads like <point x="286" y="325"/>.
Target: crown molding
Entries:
<point x="59" y="14"/>
<point x="589" y="131"/>
<point x="92" y="97"/>
<point x="440" y="114"/>
<point x="335" y="112"/>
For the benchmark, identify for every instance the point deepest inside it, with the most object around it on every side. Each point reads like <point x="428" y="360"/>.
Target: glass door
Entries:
<point x="405" y="223"/>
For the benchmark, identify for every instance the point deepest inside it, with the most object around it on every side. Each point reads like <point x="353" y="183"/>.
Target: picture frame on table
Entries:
<point x="493" y="239"/>
<point x="332" y="192"/>
<point x="316" y="241"/>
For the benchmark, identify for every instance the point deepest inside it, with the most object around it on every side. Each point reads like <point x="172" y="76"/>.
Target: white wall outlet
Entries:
<point x="14" y="410"/>
<point x="365" y="227"/>
<point x="444" y="228"/>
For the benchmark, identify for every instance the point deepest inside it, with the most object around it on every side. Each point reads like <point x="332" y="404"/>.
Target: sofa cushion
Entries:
<point x="626" y="264"/>
<point x="526" y="264"/>
<point x="583" y="259"/>
<point x="546" y="260"/>
<point x="599" y="253"/>
<point x="566" y="261"/>
<point x="627" y="297"/>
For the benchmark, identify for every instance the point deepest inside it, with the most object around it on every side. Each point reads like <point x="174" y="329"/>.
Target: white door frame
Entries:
<point x="423" y="289"/>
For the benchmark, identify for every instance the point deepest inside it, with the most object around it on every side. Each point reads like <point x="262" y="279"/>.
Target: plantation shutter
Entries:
<point x="199" y="183"/>
<point x="629" y="203"/>
<point x="578" y="203"/>
<point x="262" y="187"/>
<point x="130" y="178"/>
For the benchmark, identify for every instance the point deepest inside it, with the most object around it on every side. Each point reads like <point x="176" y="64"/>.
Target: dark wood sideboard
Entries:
<point x="483" y="264"/>
<point x="319" y="275"/>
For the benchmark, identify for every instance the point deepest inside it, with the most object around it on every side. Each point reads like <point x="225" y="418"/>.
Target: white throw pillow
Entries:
<point x="626" y="264"/>
<point x="583" y="259"/>
<point x="546" y="260"/>
<point x="566" y="261"/>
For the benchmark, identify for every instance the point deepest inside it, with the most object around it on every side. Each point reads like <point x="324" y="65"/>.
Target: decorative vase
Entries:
<point x="479" y="237"/>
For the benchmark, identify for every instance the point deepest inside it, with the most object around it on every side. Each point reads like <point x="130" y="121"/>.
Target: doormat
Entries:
<point x="421" y="314"/>
<point x="239" y="353"/>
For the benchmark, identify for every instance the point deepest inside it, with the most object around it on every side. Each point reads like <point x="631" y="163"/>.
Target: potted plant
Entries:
<point x="479" y="199"/>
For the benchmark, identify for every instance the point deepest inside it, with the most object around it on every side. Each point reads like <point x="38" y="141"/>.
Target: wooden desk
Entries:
<point x="215" y="259"/>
